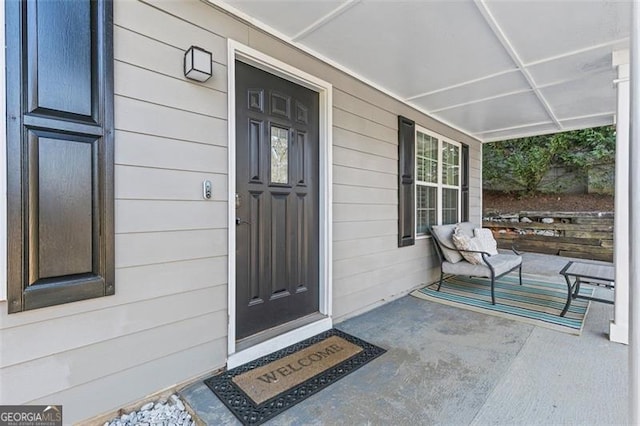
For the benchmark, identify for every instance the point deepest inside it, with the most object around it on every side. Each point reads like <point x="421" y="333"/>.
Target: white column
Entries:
<point x="619" y="327"/>
<point x="634" y="220"/>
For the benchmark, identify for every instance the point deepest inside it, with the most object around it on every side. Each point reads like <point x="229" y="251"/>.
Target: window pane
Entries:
<point x="279" y="155"/>
<point x="450" y="164"/>
<point x="426" y="208"/>
<point x="449" y="206"/>
<point x="426" y="158"/>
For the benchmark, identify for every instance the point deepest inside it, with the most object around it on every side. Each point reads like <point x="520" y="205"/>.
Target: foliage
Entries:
<point x="589" y="147"/>
<point x="523" y="163"/>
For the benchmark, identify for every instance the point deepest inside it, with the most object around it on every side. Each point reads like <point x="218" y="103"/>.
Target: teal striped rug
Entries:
<point x="538" y="301"/>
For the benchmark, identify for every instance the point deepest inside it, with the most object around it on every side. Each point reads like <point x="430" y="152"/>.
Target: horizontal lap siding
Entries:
<point x="134" y="383"/>
<point x="167" y="322"/>
<point x="475" y="183"/>
<point x="367" y="262"/>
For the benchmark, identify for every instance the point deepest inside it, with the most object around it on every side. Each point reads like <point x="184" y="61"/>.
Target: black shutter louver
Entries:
<point x="60" y="199"/>
<point x="465" y="182"/>
<point x="406" y="180"/>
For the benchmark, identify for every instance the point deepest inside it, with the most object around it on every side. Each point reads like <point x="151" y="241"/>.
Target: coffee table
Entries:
<point x="576" y="273"/>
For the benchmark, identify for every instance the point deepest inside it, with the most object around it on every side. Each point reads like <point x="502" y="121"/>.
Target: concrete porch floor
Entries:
<point x="450" y="366"/>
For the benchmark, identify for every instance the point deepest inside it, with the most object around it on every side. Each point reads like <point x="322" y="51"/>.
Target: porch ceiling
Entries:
<point x="494" y="69"/>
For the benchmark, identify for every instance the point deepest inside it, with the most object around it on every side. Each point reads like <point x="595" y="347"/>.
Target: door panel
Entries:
<point x="277" y="230"/>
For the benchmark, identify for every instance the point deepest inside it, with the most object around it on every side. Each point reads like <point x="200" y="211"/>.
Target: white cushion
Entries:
<point x="444" y="233"/>
<point x="486" y="241"/>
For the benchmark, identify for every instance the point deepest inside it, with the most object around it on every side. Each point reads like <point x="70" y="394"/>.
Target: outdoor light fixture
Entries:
<point x="197" y="64"/>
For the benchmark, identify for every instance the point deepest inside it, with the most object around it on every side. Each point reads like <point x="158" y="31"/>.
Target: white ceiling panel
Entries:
<point x="594" y="94"/>
<point x="407" y="46"/>
<point x="571" y="67"/>
<point x="287" y="16"/>
<point x="491" y="87"/>
<point x="541" y="29"/>
<point x="491" y="68"/>
<point x="514" y="110"/>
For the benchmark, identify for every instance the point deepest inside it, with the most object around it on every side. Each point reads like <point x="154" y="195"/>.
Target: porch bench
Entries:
<point x="452" y="259"/>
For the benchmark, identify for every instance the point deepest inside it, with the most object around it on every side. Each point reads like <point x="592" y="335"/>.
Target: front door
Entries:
<point x="277" y="230"/>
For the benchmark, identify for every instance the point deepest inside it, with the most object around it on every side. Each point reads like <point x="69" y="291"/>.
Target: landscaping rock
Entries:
<point x="547" y="220"/>
<point x="525" y="220"/>
<point x="170" y="412"/>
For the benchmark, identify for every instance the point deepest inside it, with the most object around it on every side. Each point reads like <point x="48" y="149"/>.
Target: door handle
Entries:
<point x="240" y="221"/>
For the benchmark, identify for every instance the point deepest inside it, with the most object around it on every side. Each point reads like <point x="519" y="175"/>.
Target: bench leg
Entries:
<point x="493" y="296"/>
<point x="441" y="277"/>
<point x="520" y="273"/>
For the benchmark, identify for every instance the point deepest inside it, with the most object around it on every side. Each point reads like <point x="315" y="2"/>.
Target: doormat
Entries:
<point x="260" y="390"/>
<point x="539" y="300"/>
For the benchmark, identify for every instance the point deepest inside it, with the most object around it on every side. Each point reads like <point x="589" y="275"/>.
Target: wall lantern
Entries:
<point x="198" y="64"/>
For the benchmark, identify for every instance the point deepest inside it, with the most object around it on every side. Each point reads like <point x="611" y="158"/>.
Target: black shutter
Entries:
<point x="59" y="151"/>
<point x="465" y="183"/>
<point x="406" y="187"/>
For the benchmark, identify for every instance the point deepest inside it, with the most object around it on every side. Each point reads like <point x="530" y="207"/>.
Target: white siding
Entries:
<point x="167" y="322"/>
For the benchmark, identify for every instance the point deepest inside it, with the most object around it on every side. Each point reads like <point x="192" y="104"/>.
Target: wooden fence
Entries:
<point x="585" y="235"/>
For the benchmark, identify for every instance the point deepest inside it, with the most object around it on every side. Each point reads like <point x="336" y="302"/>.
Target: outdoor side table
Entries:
<point x="586" y="273"/>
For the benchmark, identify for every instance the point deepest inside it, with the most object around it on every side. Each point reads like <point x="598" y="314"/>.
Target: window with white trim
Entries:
<point x="438" y="180"/>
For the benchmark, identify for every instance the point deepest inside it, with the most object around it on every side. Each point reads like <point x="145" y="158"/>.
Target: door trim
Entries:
<point x="236" y="50"/>
<point x="3" y="160"/>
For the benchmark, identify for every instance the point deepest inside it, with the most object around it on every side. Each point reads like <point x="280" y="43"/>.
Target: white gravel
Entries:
<point x="171" y="412"/>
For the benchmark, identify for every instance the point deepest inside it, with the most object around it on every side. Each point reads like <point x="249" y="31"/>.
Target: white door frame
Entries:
<point x="253" y="57"/>
<point x="3" y="162"/>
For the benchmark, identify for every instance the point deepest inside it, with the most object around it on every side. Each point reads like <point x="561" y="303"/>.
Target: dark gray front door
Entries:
<point x="277" y="163"/>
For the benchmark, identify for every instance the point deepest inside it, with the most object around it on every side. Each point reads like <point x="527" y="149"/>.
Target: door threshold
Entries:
<point x="276" y="338"/>
<point x="265" y="335"/>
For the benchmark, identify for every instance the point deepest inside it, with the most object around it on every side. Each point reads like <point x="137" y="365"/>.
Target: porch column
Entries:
<point x="619" y="327"/>
<point x="634" y="217"/>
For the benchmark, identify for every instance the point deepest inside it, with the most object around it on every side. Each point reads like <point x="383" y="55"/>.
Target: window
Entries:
<point x="433" y="181"/>
<point x="438" y="180"/>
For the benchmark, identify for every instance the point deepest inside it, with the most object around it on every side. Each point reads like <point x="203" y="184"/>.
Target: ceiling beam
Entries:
<point x="325" y="19"/>
<point x="511" y="51"/>
<point x="613" y="43"/>
<point x="464" y="83"/>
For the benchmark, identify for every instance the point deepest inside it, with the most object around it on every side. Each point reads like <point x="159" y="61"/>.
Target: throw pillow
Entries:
<point x="464" y="242"/>
<point x="486" y="241"/>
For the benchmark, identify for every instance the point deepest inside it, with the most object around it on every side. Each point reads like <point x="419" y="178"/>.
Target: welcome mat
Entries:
<point x="260" y="390"/>
<point x="537" y="301"/>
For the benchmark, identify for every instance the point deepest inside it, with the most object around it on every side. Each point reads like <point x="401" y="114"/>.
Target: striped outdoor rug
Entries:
<point x="538" y="301"/>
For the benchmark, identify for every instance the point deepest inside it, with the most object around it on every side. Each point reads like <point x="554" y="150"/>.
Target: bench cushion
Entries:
<point x="501" y="263"/>
<point x="444" y="234"/>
